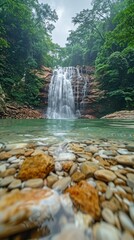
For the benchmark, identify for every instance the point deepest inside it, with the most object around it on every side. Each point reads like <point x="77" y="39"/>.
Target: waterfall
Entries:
<point x="60" y="98"/>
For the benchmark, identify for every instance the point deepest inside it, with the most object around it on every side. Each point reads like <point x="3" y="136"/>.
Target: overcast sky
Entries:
<point x="66" y="9"/>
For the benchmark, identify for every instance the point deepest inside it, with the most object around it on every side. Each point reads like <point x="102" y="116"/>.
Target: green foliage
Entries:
<point x="25" y="43"/>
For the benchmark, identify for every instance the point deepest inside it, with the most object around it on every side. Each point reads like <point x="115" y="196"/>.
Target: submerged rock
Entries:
<point x="37" y="166"/>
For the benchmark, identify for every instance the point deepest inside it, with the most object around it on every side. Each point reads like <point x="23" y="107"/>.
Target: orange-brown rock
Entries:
<point x="66" y="166"/>
<point x="5" y="155"/>
<point x="37" y="166"/>
<point x="77" y="176"/>
<point x="85" y="197"/>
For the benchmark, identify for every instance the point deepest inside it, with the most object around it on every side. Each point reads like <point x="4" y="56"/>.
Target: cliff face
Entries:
<point x="85" y="90"/>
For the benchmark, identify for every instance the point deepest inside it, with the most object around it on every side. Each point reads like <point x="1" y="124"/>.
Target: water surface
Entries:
<point x="53" y="131"/>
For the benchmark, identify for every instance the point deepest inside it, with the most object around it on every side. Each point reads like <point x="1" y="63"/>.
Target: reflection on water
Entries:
<point x="51" y="131"/>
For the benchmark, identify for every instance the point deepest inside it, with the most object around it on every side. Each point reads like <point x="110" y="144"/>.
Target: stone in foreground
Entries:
<point x="85" y="197"/>
<point x="37" y="166"/>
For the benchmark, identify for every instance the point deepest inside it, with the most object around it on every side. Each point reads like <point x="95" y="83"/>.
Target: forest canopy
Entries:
<point x="104" y="38"/>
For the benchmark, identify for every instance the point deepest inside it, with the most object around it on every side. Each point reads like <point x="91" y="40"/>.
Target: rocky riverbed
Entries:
<point x="82" y="190"/>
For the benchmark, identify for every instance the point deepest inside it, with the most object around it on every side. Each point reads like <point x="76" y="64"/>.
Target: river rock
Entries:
<point x="6" y="181"/>
<point x="91" y="149"/>
<point x="51" y="180"/>
<point x="66" y="166"/>
<point x="127" y="160"/>
<point x="127" y="236"/>
<point x="66" y="157"/>
<point x="130" y="147"/>
<point x="130" y="180"/>
<point x="126" y="222"/>
<point x="131" y="212"/>
<point x="18" y="206"/>
<point x="123" y="151"/>
<point x="88" y="168"/>
<point x="62" y="184"/>
<point x="70" y="232"/>
<point x="105" y="175"/>
<point x="106" y="231"/>
<point x="17" y="152"/>
<point x="108" y="216"/>
<point x="5" y="155"/>
<point x="34" y="183"/>
<point x="109" y="193"/>
<point x="85" y="197"/>
<point x="9" y="172"/>
<point x="2" y="168"/>
<point x="73" y="169"/>
<point x="77" y="176"/>
<point x="16" y="183"/>
<point x="37" y="166"/>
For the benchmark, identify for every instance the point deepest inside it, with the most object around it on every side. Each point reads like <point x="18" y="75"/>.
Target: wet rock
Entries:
<point x="101" y="186"/>
<point x="38" y="166"/>
<point x="83" y="220"/>
<point x="66" y="166"/>
<point x="105" y="175"/>
<point x="66" y="157"/>
<point x="62" y="184"/>
<point x="126" y="160"/>
<point x="87" y="156"/>
<point x="9" y="172"/>
<point x="16" y="183"/>
<point x="58" y="166"/>
<point x="130" y="180"/>
<point x="131" y="212"/>
<point x="51" y="180"/>
<point x="76" y="148"/>
<point x="109" y="193"/>
<point x="114" y="205"/>
<point x="5" y="155"/>
<point x="73" y="169"/>
<point x="85" y="197"/>
<point x="6" y="181"/>
<point x="126" y="222"/>
<point x="70" y="232"/>
<point x="88" y="168"/>
<point x="130" y="147"/>
<point x="108" y="216"/>
<point x="92" y="149"/>
<point x="34" y="183"/>
<point x="77" y="176"/>
<point x="127" y="236"/>
<point x="17" y="152"/>
<point x="123" y="151"/>
<point x="106" y="231"/>
<point x="2" y="168"/>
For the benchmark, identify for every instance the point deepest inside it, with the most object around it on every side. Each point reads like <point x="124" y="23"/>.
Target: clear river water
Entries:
<point x="48" y="131"/>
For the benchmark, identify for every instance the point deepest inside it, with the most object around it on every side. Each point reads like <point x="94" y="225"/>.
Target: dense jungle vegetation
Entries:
<point x="104" y="38"/>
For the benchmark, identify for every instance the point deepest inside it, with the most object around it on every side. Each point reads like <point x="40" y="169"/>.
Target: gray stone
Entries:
<point x="106" y="231"/>
<point x="126" y="222"/>
<point x="131" y="212"/>
<point x="108" y="216"/>
<point x="130" y="180"/>
<point x="66" y="157"/>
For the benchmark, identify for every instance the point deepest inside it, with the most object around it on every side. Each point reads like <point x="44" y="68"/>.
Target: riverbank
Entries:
<point x="82" y="189"/>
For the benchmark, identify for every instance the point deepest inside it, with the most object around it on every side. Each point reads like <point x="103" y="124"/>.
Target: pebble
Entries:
<point x="127" y="236"/>
<point x="34" y="183"/>
<point x="88" y="168"/>
<point x="108" y="216"/>
<point x="123" y="151"/>
<point x="66" y="157"/>
<point x="73" y="169"/>
<point x="105" y="175"/>
<point x="91" y="149"/>
<point x="130" y="180"/>
<point x="109" y="193"/>
<point x="127" y="160"/>
<point x="106" y="231"/>
<point x="131" y="212"/>
<point x="77" y="176"/>
<point x="6" y="181"/>
<point x="51" y="180"/>
<point x="62" y="184"/>
<point x="58" y="166"/>
<point x="15" y="184"/>
<point x="2" y="168"/>
<point x="126" y="222"/>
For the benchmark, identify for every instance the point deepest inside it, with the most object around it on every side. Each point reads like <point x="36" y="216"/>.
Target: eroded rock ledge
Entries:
<point x="121" y="115"/>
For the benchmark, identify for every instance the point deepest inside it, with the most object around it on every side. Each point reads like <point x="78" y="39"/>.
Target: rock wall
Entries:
<point x="85" y="89"/>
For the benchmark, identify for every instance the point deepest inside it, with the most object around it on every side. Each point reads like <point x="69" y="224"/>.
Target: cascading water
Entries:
<point x="60" y="98"/>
